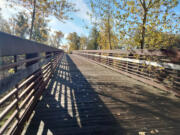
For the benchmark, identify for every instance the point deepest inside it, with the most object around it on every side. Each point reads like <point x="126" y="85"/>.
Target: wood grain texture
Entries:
<point x="84" y="98"/>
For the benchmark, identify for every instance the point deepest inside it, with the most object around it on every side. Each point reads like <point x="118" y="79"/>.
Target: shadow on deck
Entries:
<point x="86" y="99"/>
<point x="71" y="106"/>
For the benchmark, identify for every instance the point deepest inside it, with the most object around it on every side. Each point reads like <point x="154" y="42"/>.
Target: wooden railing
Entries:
<point x="26" y="68"/>
<point x="160" y="68"/>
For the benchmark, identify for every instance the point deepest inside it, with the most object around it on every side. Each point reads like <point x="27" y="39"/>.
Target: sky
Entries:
<point x="79" y="23"/>
<point x="177" y="9"/>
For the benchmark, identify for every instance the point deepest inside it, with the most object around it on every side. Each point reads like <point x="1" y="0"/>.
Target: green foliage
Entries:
<point x="73" y="41"/>
<point x="104" y="10"/>
<point x="19" y="26"/>
<point x="83" y="42"/>
<point x="93" y="39"/>
<point x="44" y="8"/>
<point x="107" y="38"/>
<point x="59" y="8"/>
<point x="40" y="32"/>
<point x="147" y="22"/>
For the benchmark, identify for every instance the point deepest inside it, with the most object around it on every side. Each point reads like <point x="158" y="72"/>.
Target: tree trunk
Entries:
<point x="109" y="33"/>
<point x="143" y="28"/>
<point x="33" y="18"/>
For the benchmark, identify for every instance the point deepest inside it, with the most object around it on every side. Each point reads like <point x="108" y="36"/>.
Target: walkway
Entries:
<point x="84" y="98"/>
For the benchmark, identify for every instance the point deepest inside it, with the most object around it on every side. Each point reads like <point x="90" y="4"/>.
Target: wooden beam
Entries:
<point x="12" y="45"/>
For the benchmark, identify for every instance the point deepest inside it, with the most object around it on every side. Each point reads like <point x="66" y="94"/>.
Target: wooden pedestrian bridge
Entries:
<point x="44" y="91"/>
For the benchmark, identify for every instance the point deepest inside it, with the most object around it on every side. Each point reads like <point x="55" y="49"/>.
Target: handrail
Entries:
<point x="147" y="62"/>
<point x="20" y="91"/>
<point x="11" y="45"/>
<point x="159" y="68"/>
<point x="162" y="52"/>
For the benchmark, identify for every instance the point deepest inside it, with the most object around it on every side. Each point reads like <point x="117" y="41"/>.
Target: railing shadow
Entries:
<point x="148" y="110"/>
<point x="71" y="106"/>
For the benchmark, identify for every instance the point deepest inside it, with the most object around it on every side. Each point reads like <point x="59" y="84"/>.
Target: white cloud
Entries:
<point x="6" y="10"/>
<point x="83" y="10"/>
<point x="67" y="27"/>
<point x="9" y="11"/>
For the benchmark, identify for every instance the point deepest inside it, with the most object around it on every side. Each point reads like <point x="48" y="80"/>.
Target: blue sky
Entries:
<point x="78" y="24"/>
<point x="177" y="9"/>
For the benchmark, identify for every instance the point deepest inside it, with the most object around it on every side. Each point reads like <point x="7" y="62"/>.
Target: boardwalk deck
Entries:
<point x="84" y="98"/>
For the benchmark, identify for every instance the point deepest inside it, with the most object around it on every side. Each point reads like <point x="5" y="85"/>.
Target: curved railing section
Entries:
<point x="159" y="68"/>
<point x="25" y="70"/>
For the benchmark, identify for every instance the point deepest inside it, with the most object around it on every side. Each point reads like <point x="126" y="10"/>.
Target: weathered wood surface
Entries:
<point x="84" y="98"/>
<point x="12" y="45"/>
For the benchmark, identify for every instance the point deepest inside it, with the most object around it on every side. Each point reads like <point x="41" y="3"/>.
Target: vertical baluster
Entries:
<point x="126" y="63"/>
<point x="17" y="92"/>
<point x="107" y="59"/>
<point x="130" y="56"/>
<point x="110" y="60"/>
<point x="100" y="57"/>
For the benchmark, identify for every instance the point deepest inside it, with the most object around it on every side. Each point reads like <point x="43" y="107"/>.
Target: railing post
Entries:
<point x="15" y="60"/>
<point x="17" y="92"/>
<point x="140" y="65"/>
<point x="100" y="57"/>
<point x="110" y="62"/>
<point x="128" y="63"/>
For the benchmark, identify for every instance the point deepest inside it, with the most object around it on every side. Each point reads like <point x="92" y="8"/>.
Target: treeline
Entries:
<point x="20" y="26"/>
<point x="95" y="41"/>
<point x="132" y="24"/>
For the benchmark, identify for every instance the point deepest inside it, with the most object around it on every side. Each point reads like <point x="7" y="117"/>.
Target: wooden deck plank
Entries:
<point x="84" y="98"/>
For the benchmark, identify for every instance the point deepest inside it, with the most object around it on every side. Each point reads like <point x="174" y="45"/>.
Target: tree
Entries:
<point x="104" y="10"/>
<point x="154" y="39"/>
<point x="148" y="15"/>
<point x="59" y="8"/>
<point x="40" y="33"/>
<point x="21" y="25"/>
<point x="83" y="42"/>
<point x="159" y="40"/>
<point x="56" y="39"/>
<point x="73" y="41"/>
<point x="93" y="39"/>
<point x="104" y="41"/>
